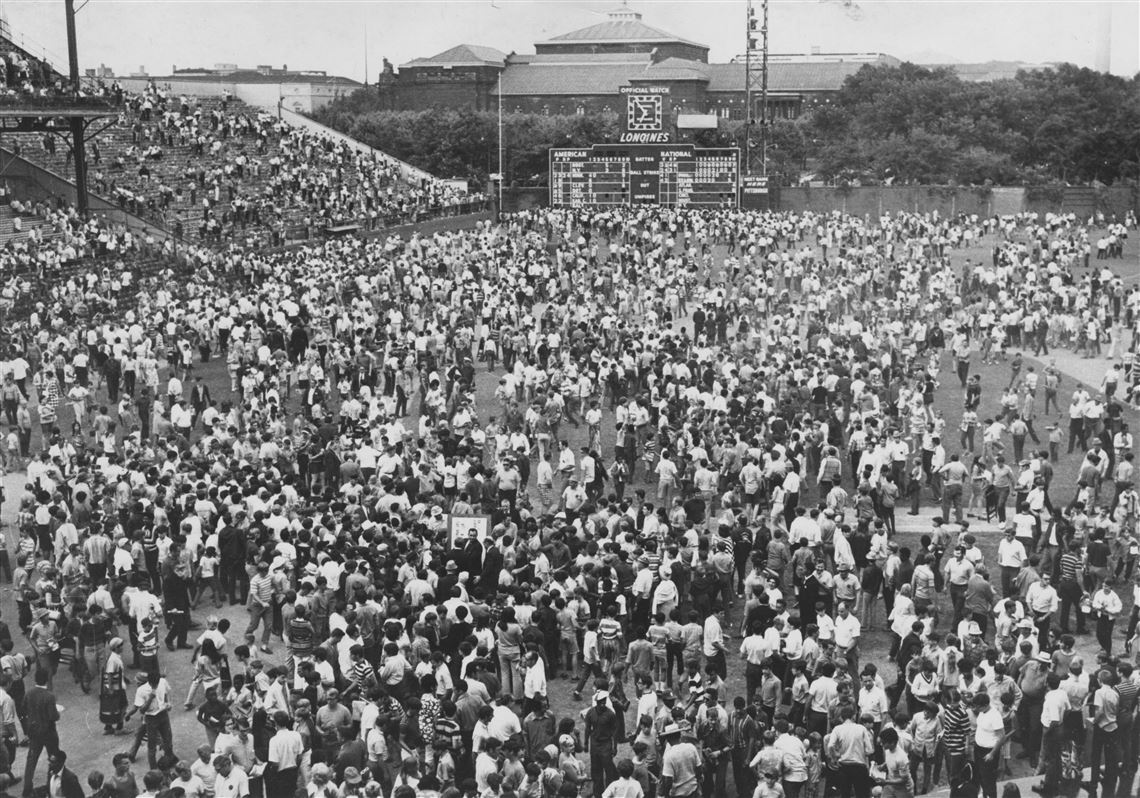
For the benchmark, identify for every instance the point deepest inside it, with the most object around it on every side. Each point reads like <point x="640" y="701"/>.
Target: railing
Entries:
<point x="298" y="233"/>
<point x="54" y="102"/>
<point x="32" y="47"/>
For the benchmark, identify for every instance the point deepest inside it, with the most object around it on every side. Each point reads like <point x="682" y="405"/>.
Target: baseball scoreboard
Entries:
<point x="651" y="174"/>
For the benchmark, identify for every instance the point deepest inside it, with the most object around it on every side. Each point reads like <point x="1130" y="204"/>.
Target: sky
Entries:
<point x="342" y="37"/>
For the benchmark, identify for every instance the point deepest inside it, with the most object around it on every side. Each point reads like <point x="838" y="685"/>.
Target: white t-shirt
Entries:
<point x="990" y="729"/>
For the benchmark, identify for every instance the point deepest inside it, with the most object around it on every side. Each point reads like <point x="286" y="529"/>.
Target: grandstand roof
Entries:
<point x="462" y="55"/>
<point x="539" y="79"/>
<point x="582" y="58"/>
<point x="585" y="76"/>
<point x="828" y="76"/>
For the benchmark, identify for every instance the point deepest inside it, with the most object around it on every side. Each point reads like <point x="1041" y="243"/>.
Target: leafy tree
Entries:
<point x="904" y="123"/>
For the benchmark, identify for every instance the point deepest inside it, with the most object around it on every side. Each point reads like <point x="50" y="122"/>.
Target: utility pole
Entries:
<point x="78" y="146"/>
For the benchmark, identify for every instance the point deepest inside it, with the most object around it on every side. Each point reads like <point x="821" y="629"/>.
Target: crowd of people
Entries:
<point x="215" y="171"/>
<point x="52" y="252"/>
<point x="701" y="425"/>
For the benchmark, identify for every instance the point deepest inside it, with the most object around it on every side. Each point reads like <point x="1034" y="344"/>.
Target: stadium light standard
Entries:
<point x="78" y="145"/>
<point x="756" y="28"/>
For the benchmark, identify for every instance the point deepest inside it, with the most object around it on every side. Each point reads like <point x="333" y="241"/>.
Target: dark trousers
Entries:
<point x="1008" y="579"/>
<point x="282" y="782"/>
<point x="986" y="771"/>
<point x="38" y="742"/>
<point x="742" y="775"/>
<point x="718" y="664"/>
<point x="158" y="730"/>
<point x="1104" y="628"/>
<point x="1051" y="756"/>
<point x="854" y="780"/>
<point x="178" y="622"/>
<point x="1070" y="592"/>
<point x="602" y="768"/>
<point x="1107" y="745"/>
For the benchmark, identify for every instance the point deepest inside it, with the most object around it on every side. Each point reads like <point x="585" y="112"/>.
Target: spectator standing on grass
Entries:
<point x="41" y="714"/>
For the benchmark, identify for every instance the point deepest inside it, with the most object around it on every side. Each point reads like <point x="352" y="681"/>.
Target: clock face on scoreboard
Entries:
<point x="644" y="113"/>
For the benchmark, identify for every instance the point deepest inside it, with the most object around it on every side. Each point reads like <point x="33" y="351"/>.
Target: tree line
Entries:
<point x="887" y="124"/>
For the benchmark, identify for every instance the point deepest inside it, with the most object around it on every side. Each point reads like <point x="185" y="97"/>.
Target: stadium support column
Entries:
<point x="78" y="127"/>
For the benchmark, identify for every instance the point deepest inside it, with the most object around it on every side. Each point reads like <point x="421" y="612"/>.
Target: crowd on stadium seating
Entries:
<point x="212" y="171"/>
<point x="750" y="397"/>
<point x="49" y="245"/>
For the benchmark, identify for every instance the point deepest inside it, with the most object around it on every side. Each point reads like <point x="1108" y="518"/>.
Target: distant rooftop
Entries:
<point x="253" y="76"/>
<point x="462" y="55"/>
<point x="623" y="26"/>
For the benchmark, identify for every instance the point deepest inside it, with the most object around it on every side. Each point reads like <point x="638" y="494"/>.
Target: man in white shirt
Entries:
<point x="534" y="682"/>
<point x="232" y="781"/>
<point x="504" y="722"/>
<point x="1106" y="608"/>
<point x="712" y="642"/>
<point x="1053" y="709"/>
<point x="847" y="630"/>
<point x="1042" y="600"/>
<point x="285" y="750"/>
<point x="1011" y="558"/>
<point x="989" y="736"/>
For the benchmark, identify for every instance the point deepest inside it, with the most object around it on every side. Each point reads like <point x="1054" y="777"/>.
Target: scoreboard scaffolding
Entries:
<point x="621" y="174"/>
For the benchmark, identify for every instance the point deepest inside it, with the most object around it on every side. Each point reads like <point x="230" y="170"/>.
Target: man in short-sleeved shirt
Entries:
<point x="232" y="781"/>
<point x="681" y="764"/>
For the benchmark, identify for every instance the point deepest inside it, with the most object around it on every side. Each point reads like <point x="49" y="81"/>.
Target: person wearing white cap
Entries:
<point x="601" y="740"/>
<point x="113" y="688"/>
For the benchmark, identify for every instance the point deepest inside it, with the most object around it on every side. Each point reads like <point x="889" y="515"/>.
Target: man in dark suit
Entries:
<point x="199" y="400"/>
<point x="40" y="725"/>
<point x="472" y="554"/>
<point x="492" y="564"/>
<point x="62" y="781"/>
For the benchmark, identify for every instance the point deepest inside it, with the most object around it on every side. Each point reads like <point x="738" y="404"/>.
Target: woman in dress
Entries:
<point x="207" y="671"/>
<point x="113" y="688"/>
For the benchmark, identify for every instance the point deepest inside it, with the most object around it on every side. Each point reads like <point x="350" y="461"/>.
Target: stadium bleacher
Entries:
<point x="209" y="169"/>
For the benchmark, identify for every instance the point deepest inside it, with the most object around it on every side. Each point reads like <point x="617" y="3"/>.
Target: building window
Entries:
<point x="546" y="110"/>
<point x="581" y="110"/>
<point x="736" y="114"/>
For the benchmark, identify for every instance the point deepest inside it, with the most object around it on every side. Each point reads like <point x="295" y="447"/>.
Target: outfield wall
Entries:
<point x="947" y="200"/>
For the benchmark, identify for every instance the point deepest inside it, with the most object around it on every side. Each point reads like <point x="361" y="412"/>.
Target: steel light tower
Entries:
<point x="756" y="78"/>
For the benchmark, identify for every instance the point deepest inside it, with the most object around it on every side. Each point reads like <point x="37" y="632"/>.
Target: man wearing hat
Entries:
<point x="601" y="741"/>
<point x="682" y="770"/>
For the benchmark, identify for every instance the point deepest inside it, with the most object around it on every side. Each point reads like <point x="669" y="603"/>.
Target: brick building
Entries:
<point x="585" y="70"/>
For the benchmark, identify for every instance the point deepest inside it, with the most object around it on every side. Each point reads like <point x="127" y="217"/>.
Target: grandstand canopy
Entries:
<point x="48" y="119"/>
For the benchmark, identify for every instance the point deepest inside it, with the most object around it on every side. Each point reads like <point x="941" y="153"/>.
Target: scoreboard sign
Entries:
<point x="674" y="175"/>
<point x="646" y="115"/>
